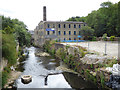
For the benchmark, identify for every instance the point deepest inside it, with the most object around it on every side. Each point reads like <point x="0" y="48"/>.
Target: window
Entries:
<point x="69" y="38"/>
<point x="79" y="26"/>
<point x="53" y="32"/>
<point x="69" y="32"/>
<point x="64" y="32"/>
<point x="58" y="25"/>
<point x="64" y="38"/>
<point x="69" y="26"/>
<point x="53" y="25"/>
<point x="74" y="32"/>
<point x="64" y="25"/>
<point x="59" y="39"/>
<point x="74" y="26"/>
<point x="79" y="32"/>
<point x="48" y="25"/>
<point x="59" y="32"/>
<point x="48" y="32"/>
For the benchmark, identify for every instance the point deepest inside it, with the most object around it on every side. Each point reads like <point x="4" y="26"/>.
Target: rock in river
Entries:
<point x="42" y="54"/>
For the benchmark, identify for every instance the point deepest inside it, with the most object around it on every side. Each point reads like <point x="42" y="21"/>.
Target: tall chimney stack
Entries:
<point x="44" y="13"/>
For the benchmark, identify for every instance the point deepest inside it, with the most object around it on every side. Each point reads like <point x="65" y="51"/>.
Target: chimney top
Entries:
<point x="44" y="13"/>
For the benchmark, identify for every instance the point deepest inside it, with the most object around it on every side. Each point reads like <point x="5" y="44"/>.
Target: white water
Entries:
<point x="35" y="69"/>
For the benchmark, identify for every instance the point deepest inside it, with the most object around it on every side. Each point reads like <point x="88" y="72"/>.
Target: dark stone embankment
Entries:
<point x="90" y="66"/>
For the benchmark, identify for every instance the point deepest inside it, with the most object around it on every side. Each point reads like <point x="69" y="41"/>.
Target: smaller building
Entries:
<point x="32" y="35"/>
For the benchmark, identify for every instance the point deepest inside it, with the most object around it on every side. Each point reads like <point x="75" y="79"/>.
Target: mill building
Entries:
<point x="56" y="30"/>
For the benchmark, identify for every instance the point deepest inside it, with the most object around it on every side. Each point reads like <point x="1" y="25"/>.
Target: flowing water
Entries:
<point x="44" y="73"/>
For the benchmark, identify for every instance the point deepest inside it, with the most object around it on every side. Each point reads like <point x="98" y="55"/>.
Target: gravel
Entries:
<point x="99" y="46"/>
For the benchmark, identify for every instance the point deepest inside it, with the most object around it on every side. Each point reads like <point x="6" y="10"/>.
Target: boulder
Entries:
<point x="42" y="54"/>
<point x="26" y="79"/>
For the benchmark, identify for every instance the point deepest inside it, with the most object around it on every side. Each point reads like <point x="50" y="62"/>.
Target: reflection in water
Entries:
<point x="39" y="68"/>
<point x="77" y="82"/>
<point x="44" y="74"/>
<point x="46" y="80"/>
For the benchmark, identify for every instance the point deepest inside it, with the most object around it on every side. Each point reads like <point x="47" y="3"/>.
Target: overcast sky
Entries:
<point x="31" y="11"/>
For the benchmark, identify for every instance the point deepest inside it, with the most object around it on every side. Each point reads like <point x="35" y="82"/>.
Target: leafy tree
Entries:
<point x="106" y="4"/>
<point x="77" y="18"/>
<point x="104" y="20"/>
<point x="18" y="28"/>
<point x="118" y="21"/>
<point x="9" y="48"/>
<point x="87" y="31"/>
<point x="8" y="30"/>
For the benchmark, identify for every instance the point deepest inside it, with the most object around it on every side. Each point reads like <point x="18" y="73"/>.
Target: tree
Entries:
<point x="18" y="28"/>
<point x="118" y="21"/>
<point x="106" y="4"/>
<point x="87" y="31"/>
<point x="104" y="20"/>
<point x="8" y="30"/>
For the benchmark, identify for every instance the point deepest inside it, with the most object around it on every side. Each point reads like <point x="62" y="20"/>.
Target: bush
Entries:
<point x="9" y="48"/>
<point x="82" y="53"/>
<point x="4" y="78"/>
<point x="112" y="38"/>
<point x="5" y="75"/>
<point x="104" y="37"/>
<point x="60" y="53"/>
<point x="93" y="38"/>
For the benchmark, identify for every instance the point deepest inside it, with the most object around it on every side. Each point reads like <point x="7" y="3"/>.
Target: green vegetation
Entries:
<point x="102" y="80"/>
<point x="82" y="52"/>
<point x="5" y="75"/>
<point x="87" y="31"/>
<point x="102" y="20"/>
<point x="104" y="37"/>
<point x="9" y="48"/>
<point x="18" y="29"/>
<point x="112" y="38"/>
<point x="93" y="38"/>
<point x="13" y="32"/>
<point x="88" y="71"/>
<point x="60" y="53"/>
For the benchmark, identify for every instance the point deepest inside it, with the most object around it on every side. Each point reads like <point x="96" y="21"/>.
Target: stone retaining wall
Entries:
<point x="89" y="66"/>
<point x="3" y="63"/>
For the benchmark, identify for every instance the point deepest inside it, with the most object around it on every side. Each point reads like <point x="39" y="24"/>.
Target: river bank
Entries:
<point x="90" y="66"/>
<point x="13" y="76"/>
<point x="14" y="71"/>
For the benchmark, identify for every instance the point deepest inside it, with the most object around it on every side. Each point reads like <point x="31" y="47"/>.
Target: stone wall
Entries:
<point x="3" y="63"/>
<point x="90" y="66"/>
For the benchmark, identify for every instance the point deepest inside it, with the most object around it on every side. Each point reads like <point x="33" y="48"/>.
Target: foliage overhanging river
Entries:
<point x="40" y="67"/>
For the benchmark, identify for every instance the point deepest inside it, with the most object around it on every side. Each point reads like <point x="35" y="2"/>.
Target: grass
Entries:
<point x="5" y="75"/>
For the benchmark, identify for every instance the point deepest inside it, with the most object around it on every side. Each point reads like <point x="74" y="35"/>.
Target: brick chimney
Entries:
<point x="44" y="13"/>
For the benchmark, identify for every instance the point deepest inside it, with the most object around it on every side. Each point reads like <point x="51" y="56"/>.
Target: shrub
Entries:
<point x="102" y="80"/>
<point x="9" y="48"/>
<point x="93" y="38"/>
<point x="60" y="53"/>
<point x="52" y="52"/>
<point x="112" y="38"/>
<point x="4" y="78"/>
<point x="5" y="75"/>
<point x="104" y="37"/>
<point x="82" y="53"/>
<point x="66" y="61"/>
<point x="52" y="42"/>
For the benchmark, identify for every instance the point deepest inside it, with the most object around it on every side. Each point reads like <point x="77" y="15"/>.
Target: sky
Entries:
<point x="31" y="11"/>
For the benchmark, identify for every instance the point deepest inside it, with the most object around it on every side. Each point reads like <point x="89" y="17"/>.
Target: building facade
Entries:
<point x="57" y="30"/>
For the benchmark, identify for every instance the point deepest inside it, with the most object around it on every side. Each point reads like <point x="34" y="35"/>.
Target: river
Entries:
<point x="40" y="67"/>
